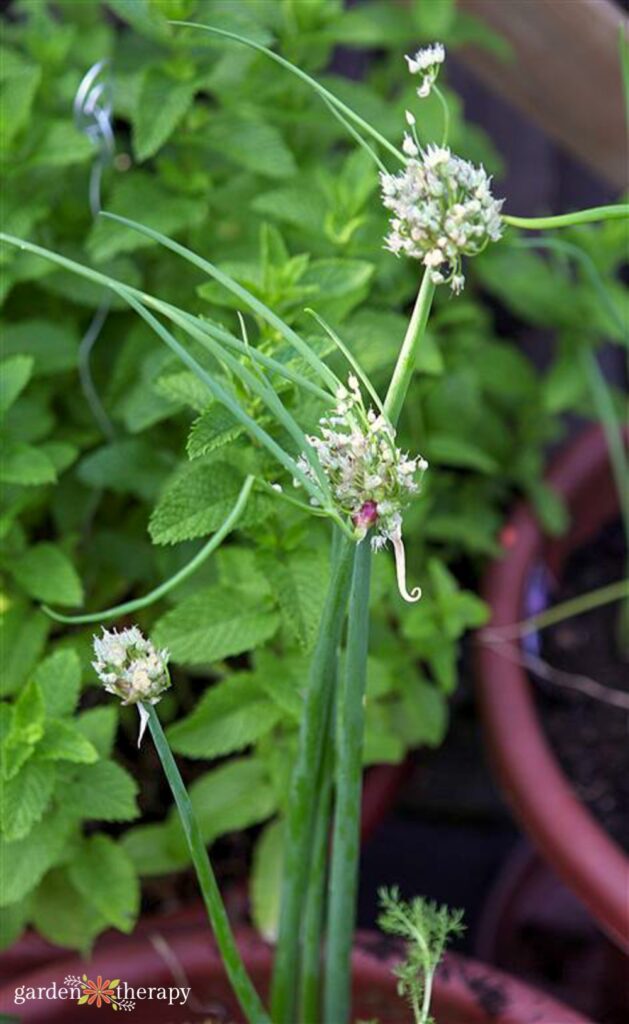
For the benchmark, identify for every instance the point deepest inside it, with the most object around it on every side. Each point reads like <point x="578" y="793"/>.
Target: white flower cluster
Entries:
<point x="370" y="478"/>
<point x="427" y="63"/>
<point x="129" y="666"/>
<point x="442" y="209"/>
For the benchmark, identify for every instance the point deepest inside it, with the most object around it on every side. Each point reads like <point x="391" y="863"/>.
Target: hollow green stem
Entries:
<point x="349" y="760"/>
<point x="324" y="93"/>
<point x="566" y="610"/>
<point x="446" y="113"/>
<point x="601" y="396"/>
<point x="589" y="269"/>
<point x="303" y="791"/>
<point x="314" y="912"/>
<point x="566" y="220"/>
<point x="214" y="542"/>
<point x="137" y="300"/>
<point x="405" y="366"/>
<point x="234" y="966"/>
<point x="599" y="387"/>
<point x="355" y="135"/>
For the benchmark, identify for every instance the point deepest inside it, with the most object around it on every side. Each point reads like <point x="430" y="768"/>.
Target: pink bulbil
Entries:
<point x="366" y="516"/>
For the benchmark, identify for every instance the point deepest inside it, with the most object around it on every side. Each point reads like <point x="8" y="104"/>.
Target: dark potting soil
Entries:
<point x="589" y="734"/>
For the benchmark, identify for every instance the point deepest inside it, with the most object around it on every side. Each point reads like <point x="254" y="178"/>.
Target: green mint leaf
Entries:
<point x="25" y="861"/>
<point x="161" y="105"/>
<point x="24" y="798"/>
<point x="59" y="679"/>
<point x="103" y="791"/>
<point x="197" y="500"/>
<point x="26" y="727"/>
<point x="15" y="374"/>
<point x="47" y="574"/>
<point x="212" y="430"/>
<point x="106" y="878"/>
<point x="98" y="725"/>
<point x="213" y="624"/>
<point x="62" y="914"/>
<point x="25" y="465"/>
<point x="230" y="716"/>
<point x="64" y="742"/>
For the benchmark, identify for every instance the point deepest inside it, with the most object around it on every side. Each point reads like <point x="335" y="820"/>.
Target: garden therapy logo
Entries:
<point x="99" y="993"/>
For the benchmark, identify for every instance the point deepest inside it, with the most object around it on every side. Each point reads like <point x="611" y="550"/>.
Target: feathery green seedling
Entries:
<point x="426" y="928"/>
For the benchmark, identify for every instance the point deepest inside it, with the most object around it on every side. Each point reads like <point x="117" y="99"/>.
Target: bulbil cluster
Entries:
<point x="370" y="478"/>
<point x="442" y="209"/>
<point x="441" y="206"/>
<point x="427" y="63"/>
<point x="130" y="667"/>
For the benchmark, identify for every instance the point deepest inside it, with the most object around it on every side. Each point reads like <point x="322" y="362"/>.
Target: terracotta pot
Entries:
<point x="466" y="992"/>
<point x="382" y="784"/>
<point x="568" y="836"/>
<point x="534" y="926"/>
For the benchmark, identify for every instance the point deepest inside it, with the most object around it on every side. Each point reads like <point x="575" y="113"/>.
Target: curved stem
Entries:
<point x="355" y="135"/>
<point x="565" y="220"/>
<point x="446" y="113"/>
<point x="303" y="790"/>
<point x="612" y="429"/>
<point x="349" y="763"/>
<point x="86" y="346"/>
<point x="136" y="299"/>
<point x="320" y="89"/>
<point x="154" y="595"/>
<point x="599" y="387"/>
<point x="587" y="265"/>
<point x="234" y="966"/>
<point x="405" y="366"/>
<point x="566" y="610"/>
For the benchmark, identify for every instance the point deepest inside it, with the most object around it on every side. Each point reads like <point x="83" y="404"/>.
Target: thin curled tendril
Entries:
<point x="400" y="570"/>
<point x="92" y="110"/>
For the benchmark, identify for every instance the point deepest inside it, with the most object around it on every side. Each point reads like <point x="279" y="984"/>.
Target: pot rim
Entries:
<point x="542" y="798"/>
<point x="459" y="984"/>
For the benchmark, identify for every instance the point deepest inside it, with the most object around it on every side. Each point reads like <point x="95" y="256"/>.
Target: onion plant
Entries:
<point x="352" y="472"/>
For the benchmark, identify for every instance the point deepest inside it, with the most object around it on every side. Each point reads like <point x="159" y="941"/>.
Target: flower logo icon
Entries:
<point x="99" y="992"/>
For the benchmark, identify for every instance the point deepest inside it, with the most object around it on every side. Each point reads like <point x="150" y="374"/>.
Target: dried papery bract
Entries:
<point x="371" y="479"/>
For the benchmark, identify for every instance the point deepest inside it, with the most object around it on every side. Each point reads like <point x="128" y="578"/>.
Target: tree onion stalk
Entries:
<point x="612" y="428"/>
<point x="324" y="93"/>
<point x="236" y="972"/>
<point x="303" y="791"/>
<point x="598" y="598"/>
<point x="350" y="718"/>
<point x="566" y="220"/>
<point x="405" y="365"/>
<point x="349" y="763"/>
<point x="215" y="541"/>
<point x="314" y="912"/>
